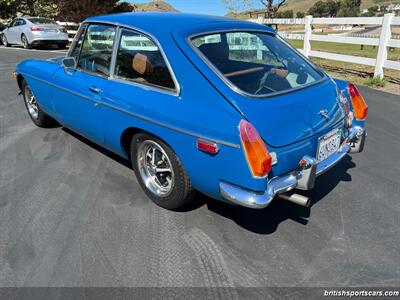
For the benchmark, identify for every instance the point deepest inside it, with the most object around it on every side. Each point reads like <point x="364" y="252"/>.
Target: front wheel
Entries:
<point x="38" y="117"/>
<point x="4" y="40"/>
<point x="160" y="172"/>
<point x="25" y="42"/>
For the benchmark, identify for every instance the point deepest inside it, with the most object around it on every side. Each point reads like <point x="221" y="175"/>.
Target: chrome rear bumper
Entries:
<point x="302" y="178"/>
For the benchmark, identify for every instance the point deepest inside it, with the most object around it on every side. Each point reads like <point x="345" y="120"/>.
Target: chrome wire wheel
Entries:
<point x="155" y="168"/>
<point x="31" y="103"/>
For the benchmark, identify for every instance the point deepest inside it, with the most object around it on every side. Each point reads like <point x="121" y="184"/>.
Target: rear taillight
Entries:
<point x="257" y="155"/>
<point x="359" y="106"/>
<point x="349" y="116"/>
<point x="35" y="28"/>
<point x="62" y="29"/>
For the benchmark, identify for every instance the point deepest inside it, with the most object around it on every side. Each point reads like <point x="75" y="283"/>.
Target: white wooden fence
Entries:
<point x="71" y="27"/>
<point x="383" y="42"/>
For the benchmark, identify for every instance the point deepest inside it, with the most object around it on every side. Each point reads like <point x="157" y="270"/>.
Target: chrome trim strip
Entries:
<point x="236" y="146"/>
<point x="231" y="85"/>
<point x="283" y="184"/>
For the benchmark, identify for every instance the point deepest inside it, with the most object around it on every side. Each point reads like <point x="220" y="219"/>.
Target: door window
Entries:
<point x="140" y="60"/>
<point x="96" y="52"/>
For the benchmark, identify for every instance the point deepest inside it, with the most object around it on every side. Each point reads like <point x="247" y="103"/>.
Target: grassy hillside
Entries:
<point x="304" y="5"/>
<point x="157" y="5"/>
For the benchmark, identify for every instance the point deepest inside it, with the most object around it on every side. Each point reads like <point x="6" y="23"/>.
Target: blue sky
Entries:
<point x="211" y="7"/>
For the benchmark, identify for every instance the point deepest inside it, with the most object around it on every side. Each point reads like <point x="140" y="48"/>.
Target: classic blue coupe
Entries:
<point x="217" y="105"/>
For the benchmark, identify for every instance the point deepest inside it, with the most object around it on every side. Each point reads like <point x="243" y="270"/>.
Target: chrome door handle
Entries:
<point x="95" y="90"/>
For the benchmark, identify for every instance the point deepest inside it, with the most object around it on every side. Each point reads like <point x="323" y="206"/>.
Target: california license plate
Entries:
<point x="329" y="144"/>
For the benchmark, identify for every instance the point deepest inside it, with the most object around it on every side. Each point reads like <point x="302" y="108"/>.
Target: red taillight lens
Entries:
<point x="34" y="28"/>
<point x="257" y="155"/>
<point x="359" y="106"/>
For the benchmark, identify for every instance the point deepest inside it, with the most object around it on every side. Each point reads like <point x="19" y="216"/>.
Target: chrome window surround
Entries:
<point x="231" y="85"/>
<point x="112" y="53"/>
<point x="174" y="92"/>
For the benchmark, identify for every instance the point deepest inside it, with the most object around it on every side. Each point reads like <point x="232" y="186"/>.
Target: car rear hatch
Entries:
<point x="288" y="118"/>
<point x="281" y="119"/>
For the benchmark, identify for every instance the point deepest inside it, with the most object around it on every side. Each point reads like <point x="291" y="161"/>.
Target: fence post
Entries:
<point x="307" y="35"/>
<point x="383" y="42"/>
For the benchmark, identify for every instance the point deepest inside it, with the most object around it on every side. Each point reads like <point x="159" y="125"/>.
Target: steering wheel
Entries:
<point x="273" y="71"/>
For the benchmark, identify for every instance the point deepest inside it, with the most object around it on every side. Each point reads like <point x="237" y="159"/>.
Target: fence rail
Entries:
<point x="385" y="40"/>
<point x="71" y="27"/>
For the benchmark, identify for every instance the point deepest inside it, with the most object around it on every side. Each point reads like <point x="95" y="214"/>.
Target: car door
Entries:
<point x="19" y="30"/>
<point x="77" y="102"/>
<point x="10" y="32"/>
<point x="142" y="83"/>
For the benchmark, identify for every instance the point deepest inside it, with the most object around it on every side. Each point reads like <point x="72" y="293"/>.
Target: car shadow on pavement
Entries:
<point x="99" y="148"/>
<point x="267" y="220"/>
<point x="264" y="221"/>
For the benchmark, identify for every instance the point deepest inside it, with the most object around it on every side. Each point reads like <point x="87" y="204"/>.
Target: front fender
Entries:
<point x="38" y="73"/>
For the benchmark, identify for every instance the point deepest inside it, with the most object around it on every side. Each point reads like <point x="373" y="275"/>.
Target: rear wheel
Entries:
<point x="38" y="117"/>
<point x="25" y="42"/>
<point x="4" y="40"/>
<point x="160" y="172"/>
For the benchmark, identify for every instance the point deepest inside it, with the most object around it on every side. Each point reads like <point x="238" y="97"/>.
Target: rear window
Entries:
<point x="257" y="63"/>
<point x="41" y="21"/>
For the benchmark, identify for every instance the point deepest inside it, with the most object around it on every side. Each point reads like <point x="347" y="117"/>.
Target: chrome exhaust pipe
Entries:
<point x="296" y="199"/>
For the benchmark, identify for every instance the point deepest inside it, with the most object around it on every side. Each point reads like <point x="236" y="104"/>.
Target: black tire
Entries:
<point x="25" y="42"/>
<point x="181" y="191"/>
<point x="4" y="40"/>
<point x="40" y="119"/>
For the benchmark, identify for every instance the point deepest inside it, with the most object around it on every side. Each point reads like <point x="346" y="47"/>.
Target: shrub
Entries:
<point x="375" y="82"/>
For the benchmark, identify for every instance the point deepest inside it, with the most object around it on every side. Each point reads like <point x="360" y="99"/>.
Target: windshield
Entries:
<point x="255" y="62"/>
<point x="41" y="21"/>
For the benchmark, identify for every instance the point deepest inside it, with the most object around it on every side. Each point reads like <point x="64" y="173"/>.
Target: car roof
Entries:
<point x="161" y="22"/>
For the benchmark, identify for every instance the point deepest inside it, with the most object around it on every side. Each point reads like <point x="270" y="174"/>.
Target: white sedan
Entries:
<point x="33" y="31"/>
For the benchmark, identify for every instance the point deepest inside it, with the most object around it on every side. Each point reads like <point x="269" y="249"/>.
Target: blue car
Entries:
<point x="199" y="103"/>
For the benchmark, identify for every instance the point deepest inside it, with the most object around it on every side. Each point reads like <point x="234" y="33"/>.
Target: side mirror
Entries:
<point x="69" y="65"/>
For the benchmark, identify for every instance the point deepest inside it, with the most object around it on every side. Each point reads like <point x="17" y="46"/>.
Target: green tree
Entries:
<point x="300" y="15"/>
<point x="333" y="7"/>
<point x="271" y="6"/>
<point x="319" y="9"/>
<point x="350" y="8"/>
<point x="63" y="10"/>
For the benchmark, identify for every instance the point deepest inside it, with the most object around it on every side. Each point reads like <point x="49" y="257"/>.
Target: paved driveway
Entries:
<point x="72" y="214"/>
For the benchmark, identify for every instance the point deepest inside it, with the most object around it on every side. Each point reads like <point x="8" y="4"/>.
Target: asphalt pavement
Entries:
<point x="73" y="214"/>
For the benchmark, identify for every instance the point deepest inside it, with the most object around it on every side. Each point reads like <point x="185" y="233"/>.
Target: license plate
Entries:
<point x="51" y="30"/>
<point x="329" y="144"/>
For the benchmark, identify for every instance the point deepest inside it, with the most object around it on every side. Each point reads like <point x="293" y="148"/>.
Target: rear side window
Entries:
<point x="96" y="51"/>
<point x="140" y="60"/>
<point x="257" y="63"/>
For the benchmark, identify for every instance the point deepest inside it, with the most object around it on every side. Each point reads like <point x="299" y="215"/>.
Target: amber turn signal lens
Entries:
<point x="257" y="155"/>
<point x="359" y="105"/>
